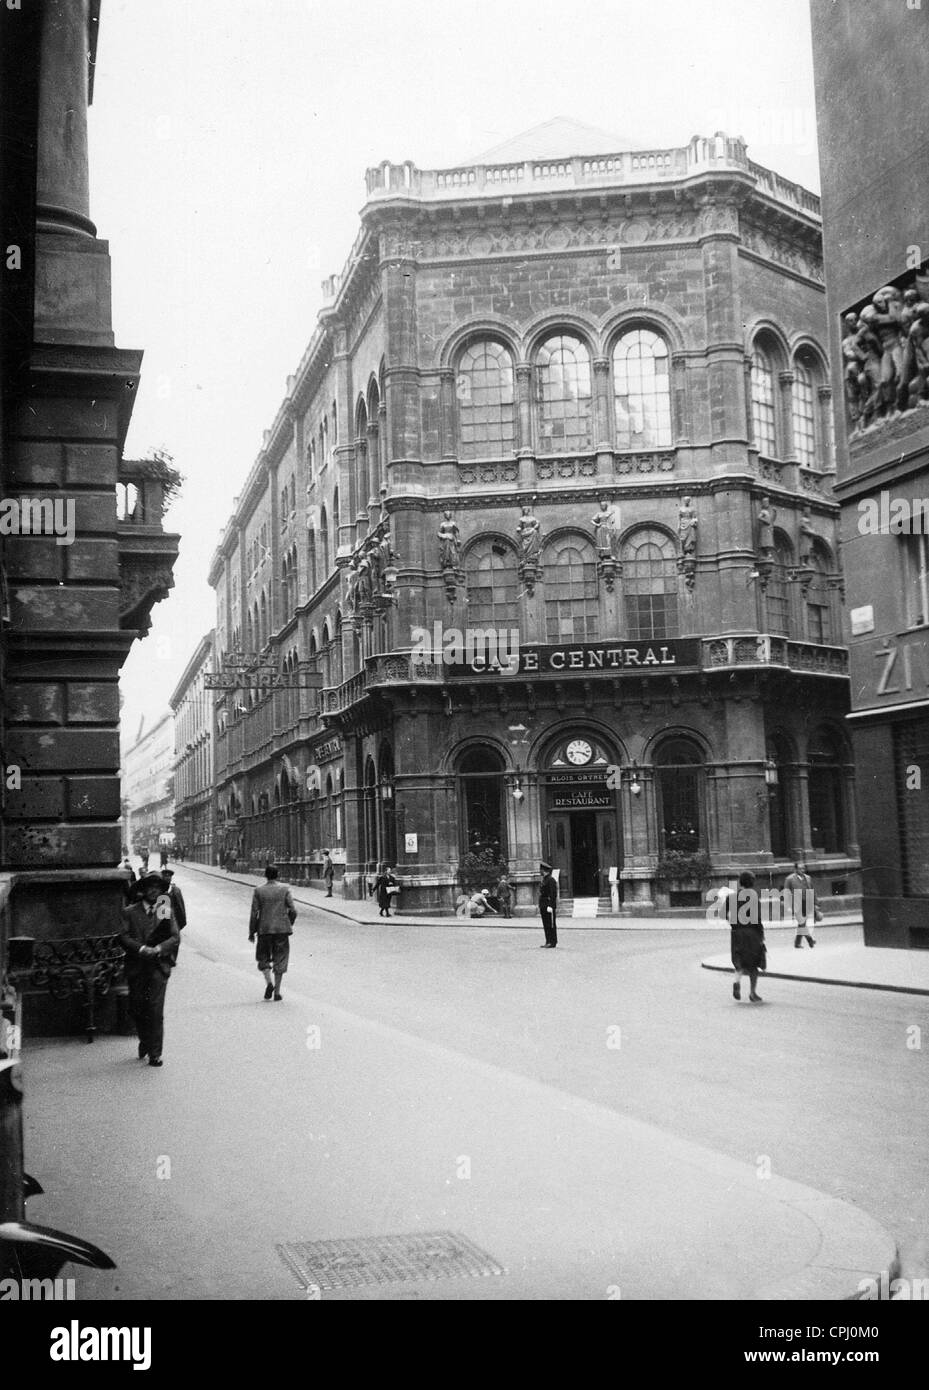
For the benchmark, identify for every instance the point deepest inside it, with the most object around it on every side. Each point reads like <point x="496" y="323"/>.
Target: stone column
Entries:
<point x="785" y="407"/>
<point x="524" y="405"/>
<point x="62" y="179"/>
<point x="680" y="407"/>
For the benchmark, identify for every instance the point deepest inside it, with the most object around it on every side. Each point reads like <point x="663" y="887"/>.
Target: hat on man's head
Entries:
<point x="546" y="868"/>
<point x="150" y="876"/>
<point x="166" y="873"/>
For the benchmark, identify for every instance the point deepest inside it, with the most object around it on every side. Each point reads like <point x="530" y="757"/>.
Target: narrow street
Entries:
<point x="587" y="1117"/>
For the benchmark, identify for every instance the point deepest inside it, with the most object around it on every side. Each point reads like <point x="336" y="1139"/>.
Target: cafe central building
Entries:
<point x="548" y="510"/>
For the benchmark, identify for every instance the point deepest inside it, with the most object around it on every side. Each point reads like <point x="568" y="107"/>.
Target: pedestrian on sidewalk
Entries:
<point x="163" y="856"/>
<point x="548" y="905"/>
<point x="800" y="887"/>
<point x="387" y="889"/>
<point x="272" y="921"/>
<point x="328" y="872"/>
<point x="504" y="893"/>
<point x="150" y="939"/>
<point x="746" y="938"/>
<point x="175" y="897"/>
<point x="143" y="855"/>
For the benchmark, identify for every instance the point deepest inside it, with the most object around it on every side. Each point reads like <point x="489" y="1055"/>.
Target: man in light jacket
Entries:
<point x="272" y="918"/>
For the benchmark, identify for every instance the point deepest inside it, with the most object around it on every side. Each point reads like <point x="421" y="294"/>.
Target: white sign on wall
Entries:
<point x="411" y="844"/>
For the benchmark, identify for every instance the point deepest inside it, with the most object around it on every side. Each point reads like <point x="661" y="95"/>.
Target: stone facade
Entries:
<point x="877" y="239"/>
<point x="584" y="401"/>
<point x="192" y="706"/>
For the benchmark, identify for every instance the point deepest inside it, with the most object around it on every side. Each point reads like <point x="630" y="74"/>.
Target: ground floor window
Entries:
<point x="911" y="766"/>
<point x="679" y="765"/>
<point x="827" y="794"/>
<point x="482" y="819"/>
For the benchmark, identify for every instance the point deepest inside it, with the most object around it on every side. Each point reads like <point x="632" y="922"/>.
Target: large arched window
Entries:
<point x="679" y="765"/>
<point x="493" y="584"/>
<point x="763" y="403"/>
<point x="642" y="391"/>
<point x="819" y="602"/>
<point x="650" y="583"/>
<point x="563" y="395"/>
<point x="826" y="793"/>
<point x="803" y="410"/>
<point x="324" y="544"/>
<point x="486" y="401"/>
<point x="362" y="462"/>
<point x="777" y="595"/>
<point x="311" y="562"/>
<point x="572" y="607"/>
<point x="482" y="820"/>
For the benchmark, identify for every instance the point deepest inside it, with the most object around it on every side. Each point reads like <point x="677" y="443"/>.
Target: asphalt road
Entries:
<point x="392" y="1076"/>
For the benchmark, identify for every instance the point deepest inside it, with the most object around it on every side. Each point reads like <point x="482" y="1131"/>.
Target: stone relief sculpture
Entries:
<point x="808" y="537"/>
<point x="765" y="521"/>
<point x="886" y="362"/>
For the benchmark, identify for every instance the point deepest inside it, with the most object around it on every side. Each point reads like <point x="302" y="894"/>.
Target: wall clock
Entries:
<point x="579" y="752"/>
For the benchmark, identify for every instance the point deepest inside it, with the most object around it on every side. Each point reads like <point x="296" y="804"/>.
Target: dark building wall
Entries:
<point x="870" y="63"/>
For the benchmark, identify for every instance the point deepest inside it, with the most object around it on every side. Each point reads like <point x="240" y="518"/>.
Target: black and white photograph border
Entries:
<point x="462" y="493"/>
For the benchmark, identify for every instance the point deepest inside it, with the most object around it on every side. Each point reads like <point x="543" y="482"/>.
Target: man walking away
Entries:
<point x="328" y="872"/>
<point x="747" y="936"/>
<point x="800" y="887"/>
<point x="548" y="904"/>
<point x="272" y="921"/>
<point x="150" y="941"/>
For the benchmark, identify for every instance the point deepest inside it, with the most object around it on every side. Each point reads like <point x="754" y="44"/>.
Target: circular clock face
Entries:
<point x="579" y="751"/>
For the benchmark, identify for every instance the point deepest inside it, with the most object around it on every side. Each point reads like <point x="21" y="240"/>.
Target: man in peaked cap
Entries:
<point x="548" y="903"/>
<point x="150" y="939"/>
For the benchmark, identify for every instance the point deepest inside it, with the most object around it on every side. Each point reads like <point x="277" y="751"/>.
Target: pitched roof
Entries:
<point x="559" y="138"/>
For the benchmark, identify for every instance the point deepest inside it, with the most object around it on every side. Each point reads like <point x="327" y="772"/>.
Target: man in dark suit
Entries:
<point x="548" y="904"/>
<point x="150" y="939"/>
<point x="272" y="918"/>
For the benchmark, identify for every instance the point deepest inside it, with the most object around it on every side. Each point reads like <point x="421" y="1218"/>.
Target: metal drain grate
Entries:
<point x="348" y="1264"/>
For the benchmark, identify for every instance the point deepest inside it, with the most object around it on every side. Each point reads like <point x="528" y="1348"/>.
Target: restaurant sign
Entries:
<point x="582" y="799"/>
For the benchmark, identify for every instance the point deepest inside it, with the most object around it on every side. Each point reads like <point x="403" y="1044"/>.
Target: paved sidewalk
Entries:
<point x="364" y="912"/>
<point x="857" y="966"/>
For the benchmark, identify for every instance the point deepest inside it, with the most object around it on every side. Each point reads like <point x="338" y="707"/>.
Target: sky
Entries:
<point x="229" y="143"/>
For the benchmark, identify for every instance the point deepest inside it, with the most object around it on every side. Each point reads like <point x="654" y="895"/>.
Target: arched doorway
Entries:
<point x="581" y="829"/>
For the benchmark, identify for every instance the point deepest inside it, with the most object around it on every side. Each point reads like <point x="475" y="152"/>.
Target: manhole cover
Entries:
<point x="347" y="1264"/>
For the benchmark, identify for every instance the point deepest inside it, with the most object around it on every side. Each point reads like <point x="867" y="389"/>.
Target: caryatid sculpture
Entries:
<point x="765" y="520"/>
<point x="529" y="535"/>
<point x="449" y="544"/>
<point x="687" y="527"/>
<point x="606" y="528"/>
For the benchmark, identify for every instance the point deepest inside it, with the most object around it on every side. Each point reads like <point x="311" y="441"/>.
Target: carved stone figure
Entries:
<point x="888" y="324"/>
<point x="856" y="382"/>
<point x="765" y="519"/>
<point x="529" y="535"/>
<point x="606" y="527"/>
<point x="808" y="536"/>
<point x="352" y="582"/>
<point x="687" y="527"/>
<point x="449" y="544"/>
<point x="365" y="580"/>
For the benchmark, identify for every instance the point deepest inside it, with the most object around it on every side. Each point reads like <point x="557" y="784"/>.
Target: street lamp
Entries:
<point x="518" y="792"/>
<point x="770" y="772"/>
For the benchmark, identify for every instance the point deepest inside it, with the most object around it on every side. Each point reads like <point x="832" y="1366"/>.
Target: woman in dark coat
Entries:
<point x="382" y="885"/>
<point x="747" y="936"/>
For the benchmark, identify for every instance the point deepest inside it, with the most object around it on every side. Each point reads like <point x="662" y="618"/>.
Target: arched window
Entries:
<point x="486" y="401"/>
<point x="311" y="562"/>
<point x="337" y="651"/>
<point x="826" y="793"/>
<point x="679" y="765"/>
<point x="324" y="543"/>
<point x="819" y="623"/>
<point x="326" y="655"/>
<point x="493" y="585"/>
<point x="763" y="408"/>
<point x="482" y="820"/>
<point x="642" y="391"/>
<point x="324" y="427"/>
<point x="563" y="395"/>
<point x="335" y="425"/>
<point x="572" y="609"/>
<point x="311" y="458"/>
<point x="650" y="583"/>
<point x="777" y="596"/>
<point x="803" y="409"/>
<point x="263" y="627"/>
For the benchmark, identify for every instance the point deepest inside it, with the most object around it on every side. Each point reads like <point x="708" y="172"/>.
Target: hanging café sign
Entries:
<point x="247" y="671"/>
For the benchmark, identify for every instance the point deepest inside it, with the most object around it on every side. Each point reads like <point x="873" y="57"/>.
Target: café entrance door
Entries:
<point x="583" y="845"/>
